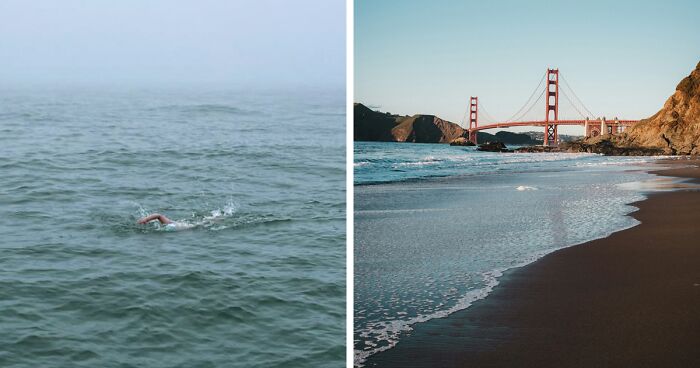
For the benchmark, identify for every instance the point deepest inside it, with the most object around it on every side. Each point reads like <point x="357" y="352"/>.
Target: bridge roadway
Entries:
<point x="591" y="122"/>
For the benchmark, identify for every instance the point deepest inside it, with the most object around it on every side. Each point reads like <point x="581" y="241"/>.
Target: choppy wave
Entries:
<point x="208" y="109"/>
<point x="397" y="162"/>
<point x="260" y="251"/>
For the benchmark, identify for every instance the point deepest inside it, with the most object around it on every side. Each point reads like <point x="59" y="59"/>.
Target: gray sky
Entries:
<point x="245" y="42"/>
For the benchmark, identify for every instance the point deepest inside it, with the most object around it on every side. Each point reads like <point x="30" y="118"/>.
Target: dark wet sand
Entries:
<point x="629" y="300"/>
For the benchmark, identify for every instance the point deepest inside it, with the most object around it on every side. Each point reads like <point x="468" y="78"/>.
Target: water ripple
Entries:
<point x="255" y="277"/>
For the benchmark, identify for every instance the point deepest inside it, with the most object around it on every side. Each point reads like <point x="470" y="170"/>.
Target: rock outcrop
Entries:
<point x="426" y="129"/>
<point x="373" y="125"/>
<point x="493" y="147"/>
<point x="675" y="129"/>
<point x="376" y="126"/>
<point x="461" y="141"/>
<point x="537" y="149"/>
<point x="610" y="146"/>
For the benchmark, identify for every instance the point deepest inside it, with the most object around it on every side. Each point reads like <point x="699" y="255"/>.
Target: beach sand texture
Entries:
<point x="631" y="299"/>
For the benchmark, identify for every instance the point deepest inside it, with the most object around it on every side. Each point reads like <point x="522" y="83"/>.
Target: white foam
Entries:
<point x="389" y="331"/>
<point x="525" y="187"/>
<point x="226" y="211"/>
<point x="608" y="206"/>
<point x="596" y="212"/>
<point x="428" y="160"/>
<point x="210" y="222"/>
<point x="178" y="226"/>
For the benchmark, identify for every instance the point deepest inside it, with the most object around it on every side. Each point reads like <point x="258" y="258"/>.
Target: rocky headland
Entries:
<point x="674" y="130"/>
<point x="379" y="126"/>
<point x="373" y="125"/>
<point x="610" y="146"/>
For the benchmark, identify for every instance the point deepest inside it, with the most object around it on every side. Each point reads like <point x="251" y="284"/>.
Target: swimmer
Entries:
<point x="156" y="216"/>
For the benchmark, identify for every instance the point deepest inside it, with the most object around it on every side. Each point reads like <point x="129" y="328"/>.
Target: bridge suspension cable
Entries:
<point x="575" y="96"/>
<point x="485" y="114"/>
<point x="528" y="100"/>
<point x="521" y="116"/>
<point x="464" y="118"/>
<point x="572" y="104"/>
<point x="551" y="102"/>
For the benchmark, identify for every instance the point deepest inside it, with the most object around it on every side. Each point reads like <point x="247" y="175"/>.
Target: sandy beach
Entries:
<point x="631" y="299"/>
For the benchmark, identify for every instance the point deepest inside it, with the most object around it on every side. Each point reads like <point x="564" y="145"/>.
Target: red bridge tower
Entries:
<point x="473" y="118"/>
<point x="551" y="138"/>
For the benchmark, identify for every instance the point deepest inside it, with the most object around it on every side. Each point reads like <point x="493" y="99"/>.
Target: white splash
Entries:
<point x="212" y="221"/>
<point x="525" y="187"/>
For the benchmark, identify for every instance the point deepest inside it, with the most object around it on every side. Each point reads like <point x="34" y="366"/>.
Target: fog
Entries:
<point x="157" y="42"/>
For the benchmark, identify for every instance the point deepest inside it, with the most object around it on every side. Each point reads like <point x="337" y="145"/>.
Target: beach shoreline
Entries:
<point x="627" y="299"/>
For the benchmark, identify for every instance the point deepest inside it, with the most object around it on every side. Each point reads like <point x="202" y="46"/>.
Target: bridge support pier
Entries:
<point x="603" y="127"/>
<point x="551" y="137"/>
<point x="472" y="137"/>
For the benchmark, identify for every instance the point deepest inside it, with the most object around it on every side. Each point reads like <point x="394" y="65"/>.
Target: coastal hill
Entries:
<point x="426" y="129"/>
<point x="674" y="130"/>
<point x="676" y="127"/>
<point x="373" y="125"/>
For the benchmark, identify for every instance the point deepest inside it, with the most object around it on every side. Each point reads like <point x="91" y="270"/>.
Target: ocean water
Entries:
<point x="254" y="274"/>
<point x="435" y="226"/>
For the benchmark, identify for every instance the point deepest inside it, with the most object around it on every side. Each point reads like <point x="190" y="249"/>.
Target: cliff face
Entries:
<point x="676" y="127"/>
<point x="376" y="126"/>
<point x="426" y="129"/>
<point x="373" y="125"/>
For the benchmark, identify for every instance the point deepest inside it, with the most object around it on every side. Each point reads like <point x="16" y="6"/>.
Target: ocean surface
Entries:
<point x="253" y="276"/>
<point x="435" y="226"/>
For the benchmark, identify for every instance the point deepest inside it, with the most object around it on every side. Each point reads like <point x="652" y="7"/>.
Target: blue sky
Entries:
<point x="622" y="58"/>
<point x="247" y="42"/>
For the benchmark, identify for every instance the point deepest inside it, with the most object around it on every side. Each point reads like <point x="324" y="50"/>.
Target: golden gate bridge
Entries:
<point x="592" y="126"/>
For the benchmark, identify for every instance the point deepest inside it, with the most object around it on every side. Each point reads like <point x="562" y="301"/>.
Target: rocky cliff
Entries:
<point x="373" y="125"/>
<point x="377" y="126"/>
<point x="426" y="129"/>
<point x="675" y="129"/>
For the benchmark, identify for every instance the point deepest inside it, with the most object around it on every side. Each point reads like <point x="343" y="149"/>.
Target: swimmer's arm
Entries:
<point x="156" y="216"/>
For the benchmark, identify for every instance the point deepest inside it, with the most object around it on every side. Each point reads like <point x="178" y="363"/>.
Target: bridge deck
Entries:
<point x="552" y="122"/>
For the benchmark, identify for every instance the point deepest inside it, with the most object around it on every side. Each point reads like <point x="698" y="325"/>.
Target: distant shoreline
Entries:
<point x="630" y="299"/>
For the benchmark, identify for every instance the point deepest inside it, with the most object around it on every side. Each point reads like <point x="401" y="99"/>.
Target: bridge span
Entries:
<point x="592" y="126"/>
